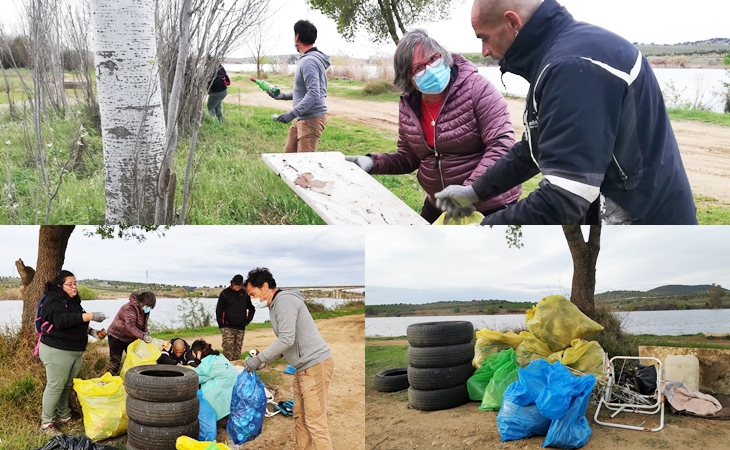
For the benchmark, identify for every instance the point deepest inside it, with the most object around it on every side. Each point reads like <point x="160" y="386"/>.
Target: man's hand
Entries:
<point x="98" y="316"/>
<point x="147" y="338"/>
<point x="280" y="96"/>
<point x="283" y="118"/>
<point x="454" y="197"/>
<point x="459" y="213"/>
<point x="253" y="364"/>
<point x="363" y="162"/>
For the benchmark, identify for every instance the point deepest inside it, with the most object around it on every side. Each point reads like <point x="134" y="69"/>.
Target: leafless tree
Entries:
<point x="216" y="28"/>
<point x="260" y="44"/>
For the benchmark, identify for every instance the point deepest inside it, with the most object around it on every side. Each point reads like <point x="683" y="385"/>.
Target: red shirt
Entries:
<point x="429" y="113"/>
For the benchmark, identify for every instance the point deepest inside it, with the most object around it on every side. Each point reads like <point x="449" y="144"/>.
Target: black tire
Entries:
<point x="158" y="438"/>
<point x="446" y="356"/>
<point x="157" y="414"/>
<point x="438" y="334"/>
<point x="438" y="399"/>
<point x="439" y="377"/>
<point x="161" y="383"/>
<point x="391" y="380"/>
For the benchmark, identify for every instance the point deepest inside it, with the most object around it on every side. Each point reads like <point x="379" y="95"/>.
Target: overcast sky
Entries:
<point x="205" y="255"/>
<point x="426" y="264"/>
<point x="645" y="21"/>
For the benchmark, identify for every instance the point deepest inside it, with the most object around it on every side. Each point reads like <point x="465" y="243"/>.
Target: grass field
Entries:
<point x="231" y="184"/>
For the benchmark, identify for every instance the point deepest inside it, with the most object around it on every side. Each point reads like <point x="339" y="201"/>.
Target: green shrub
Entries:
<point x="378" y="87"/>
<point x="194" y="314"/>
<point x="86" y="293"/>
<point x="726" y="59"/>
<point x="613" y="339"/>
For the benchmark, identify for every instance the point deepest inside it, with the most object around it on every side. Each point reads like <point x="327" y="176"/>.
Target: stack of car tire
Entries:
<point x="162" y="405"/>
<point x="439" y="359"/>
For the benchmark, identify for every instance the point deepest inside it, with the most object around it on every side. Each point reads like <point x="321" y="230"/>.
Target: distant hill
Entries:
<point x="681" y="289"/>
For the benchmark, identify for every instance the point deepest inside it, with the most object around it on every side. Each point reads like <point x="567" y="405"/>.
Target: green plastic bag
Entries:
<point x="504" y="375"/>
<point x="481" y="378"/>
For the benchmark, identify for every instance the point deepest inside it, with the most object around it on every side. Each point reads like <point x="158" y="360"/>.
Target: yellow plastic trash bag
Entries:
<point x="103" y="402"/>
<point x="556" y="322"/>
<point x="582" y="355"/>
<point x="474" y="218"/>
<point x="531" y="349"/>
<point x="490" y="341"/>
<point x="139" y="354"/>
<point x="188" y="443"/>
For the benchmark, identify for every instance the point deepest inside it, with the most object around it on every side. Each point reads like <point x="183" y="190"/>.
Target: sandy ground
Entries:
<point x="392" y="425"/>
<point x="345" y="336"/>
<point x="705" y="148"/>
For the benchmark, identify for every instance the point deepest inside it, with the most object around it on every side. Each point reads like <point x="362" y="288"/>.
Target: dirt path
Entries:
<point x="346" y="415"/>
<point x="705" y="148"/>
<point x="392" y="425"/>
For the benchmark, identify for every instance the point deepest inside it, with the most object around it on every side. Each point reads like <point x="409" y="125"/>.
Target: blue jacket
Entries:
<point x="217" y="376"/>
<point x="596" y="128"/>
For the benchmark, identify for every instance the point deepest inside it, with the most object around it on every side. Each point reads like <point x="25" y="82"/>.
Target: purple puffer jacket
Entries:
<point x="473" y="130"/>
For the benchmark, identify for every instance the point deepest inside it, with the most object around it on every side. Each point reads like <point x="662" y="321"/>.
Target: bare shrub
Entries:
<point x="384" y="67"/>
<point x="348" y="68"/>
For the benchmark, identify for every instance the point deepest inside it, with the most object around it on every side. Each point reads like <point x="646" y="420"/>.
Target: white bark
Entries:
<point x="130" y="104"/>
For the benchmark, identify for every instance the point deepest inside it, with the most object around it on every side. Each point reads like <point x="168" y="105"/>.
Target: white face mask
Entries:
<point x="258" y="304"/>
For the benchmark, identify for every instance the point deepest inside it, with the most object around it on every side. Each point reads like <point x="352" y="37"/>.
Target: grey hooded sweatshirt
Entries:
<point x="297" y="336"/>
<point x="310" y="85"/>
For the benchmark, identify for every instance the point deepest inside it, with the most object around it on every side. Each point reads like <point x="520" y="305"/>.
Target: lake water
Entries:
<point x="691" y="85"/>
<point x="164" y="315"/>
<point x="673" y="323"/>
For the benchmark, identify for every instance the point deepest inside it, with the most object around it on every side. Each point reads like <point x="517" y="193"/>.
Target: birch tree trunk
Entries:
<point x="130" y="105"/>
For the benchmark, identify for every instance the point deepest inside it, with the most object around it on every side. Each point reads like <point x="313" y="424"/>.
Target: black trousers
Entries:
<point x="116" y="348"/>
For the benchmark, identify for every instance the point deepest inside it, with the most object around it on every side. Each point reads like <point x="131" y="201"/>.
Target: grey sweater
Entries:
<point x="310" y="85"/>
<point x="297" y="336"/>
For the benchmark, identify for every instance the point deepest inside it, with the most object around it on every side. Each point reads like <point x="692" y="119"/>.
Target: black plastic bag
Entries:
<point x="65" y="442"/>
<point x="645" y="377"/>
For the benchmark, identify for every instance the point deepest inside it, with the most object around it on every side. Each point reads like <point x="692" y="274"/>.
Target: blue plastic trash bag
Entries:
<point x="248" y="408"/>
<point x="519" y="422"/>
<point x="206" y="417"/>
<point x="290" y="370"/>
<point x="554" y="399"/>
<point x="573" y="430"/>
<point x="531" y="381"/>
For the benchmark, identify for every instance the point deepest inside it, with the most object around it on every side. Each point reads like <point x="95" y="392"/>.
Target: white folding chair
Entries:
<point x="618" y="398"/>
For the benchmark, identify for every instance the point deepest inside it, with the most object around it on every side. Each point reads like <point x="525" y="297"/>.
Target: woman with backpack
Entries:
<point x="130" y="324"/>
<point x="217" y="91"/>
<point x="64" y="335"/>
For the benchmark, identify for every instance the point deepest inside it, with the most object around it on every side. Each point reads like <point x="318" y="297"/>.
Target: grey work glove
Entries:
<point x="459" y="213"/>
<point x="364" y="162"/>
<point x="279" y="96"/>
<point x="284" y="118"/>
<point x="98" y="316"/>
<point x="454" y="197"/>
<point x="253" y="364"/>
<point x="147" y="338"/>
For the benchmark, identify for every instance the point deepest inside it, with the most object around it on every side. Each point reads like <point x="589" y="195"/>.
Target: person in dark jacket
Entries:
<point x="62" y="345"/>
<point x="178" y="353"/>
<point x="596" y="125"/>
<point x="217" y="91"/>
<point x="130" y="324"/>
<point x="453" y="126"/>
<point x="233" y="312"/>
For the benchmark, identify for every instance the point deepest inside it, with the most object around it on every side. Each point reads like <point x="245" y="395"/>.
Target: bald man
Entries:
<point x="596" y="125"/>
<point x="178" y="353"/>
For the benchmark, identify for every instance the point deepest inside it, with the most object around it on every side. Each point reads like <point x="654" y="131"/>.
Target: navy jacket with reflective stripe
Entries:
<point x="596" y="128"/>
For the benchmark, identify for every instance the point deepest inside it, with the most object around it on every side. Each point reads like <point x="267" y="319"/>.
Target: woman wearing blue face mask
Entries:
<point x="454" y="124"/>
<point x="130" y="324"/>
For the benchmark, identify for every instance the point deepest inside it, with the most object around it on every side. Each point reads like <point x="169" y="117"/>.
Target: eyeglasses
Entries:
<point x="71" y="284"/>
<point x="433" y="61"/>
